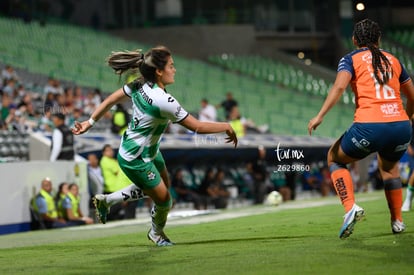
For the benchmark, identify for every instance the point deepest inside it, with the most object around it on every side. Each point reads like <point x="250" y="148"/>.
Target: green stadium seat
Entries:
<point x="280" y="95"/>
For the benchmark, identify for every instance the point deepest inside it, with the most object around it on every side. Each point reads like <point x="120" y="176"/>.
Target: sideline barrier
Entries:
<point x="21" y="180"/>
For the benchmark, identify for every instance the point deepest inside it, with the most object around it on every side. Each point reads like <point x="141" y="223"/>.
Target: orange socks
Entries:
<point x="393" y="193"/>
<point x="344" y="186"/>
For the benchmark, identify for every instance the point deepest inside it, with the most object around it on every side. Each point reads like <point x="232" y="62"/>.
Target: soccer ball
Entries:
<point x="274" y="198"/>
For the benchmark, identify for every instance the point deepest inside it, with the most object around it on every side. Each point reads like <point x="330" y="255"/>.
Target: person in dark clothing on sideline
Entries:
<point x="62" y="140"/>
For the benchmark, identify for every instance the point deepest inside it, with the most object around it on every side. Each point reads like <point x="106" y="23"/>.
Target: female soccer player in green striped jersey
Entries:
<point x="139" y="155"/>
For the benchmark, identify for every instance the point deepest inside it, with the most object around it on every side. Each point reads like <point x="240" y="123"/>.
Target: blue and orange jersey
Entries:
<point x="375" y="102"/>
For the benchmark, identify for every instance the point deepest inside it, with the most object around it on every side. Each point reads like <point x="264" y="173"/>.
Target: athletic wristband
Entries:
<point x="91" y="121"/>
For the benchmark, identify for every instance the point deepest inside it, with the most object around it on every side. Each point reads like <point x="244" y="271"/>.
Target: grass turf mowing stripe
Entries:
<point x="286" y="241"/>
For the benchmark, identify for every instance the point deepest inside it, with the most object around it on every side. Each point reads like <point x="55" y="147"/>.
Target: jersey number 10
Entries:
<point x="387" y="91"/>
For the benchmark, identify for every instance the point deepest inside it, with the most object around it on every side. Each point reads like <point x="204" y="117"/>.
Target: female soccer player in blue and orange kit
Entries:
<point x="380" y="122"/>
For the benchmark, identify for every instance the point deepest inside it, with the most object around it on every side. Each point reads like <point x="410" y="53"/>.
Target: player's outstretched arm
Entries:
<point x="203" y="127"/>
<point x="116" y="97"/>
<point x="342" y="80"/>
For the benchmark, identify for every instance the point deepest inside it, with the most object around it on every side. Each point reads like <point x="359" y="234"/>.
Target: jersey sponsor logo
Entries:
<point x="362" y="144"/>
<point x="402" y="147"/>
<point x="390" y="109"/>
<point x="367" y="57"/>
<point x="178" y="111"/>
<point x="145" y="96"/>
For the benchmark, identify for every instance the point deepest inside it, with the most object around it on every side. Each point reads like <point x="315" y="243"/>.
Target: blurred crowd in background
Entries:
<point x="27" y="108"/>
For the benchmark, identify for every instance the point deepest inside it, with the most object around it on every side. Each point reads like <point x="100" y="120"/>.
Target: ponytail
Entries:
<point x="124" y="61"/>
<point x="379" y="61"/>
<point x="135" y="61"/>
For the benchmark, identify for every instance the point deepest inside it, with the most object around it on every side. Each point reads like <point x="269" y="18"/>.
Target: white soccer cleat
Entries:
<point x="350" y="219"/>
<point x="159" y="239"/>
<point x="397" y="227"/>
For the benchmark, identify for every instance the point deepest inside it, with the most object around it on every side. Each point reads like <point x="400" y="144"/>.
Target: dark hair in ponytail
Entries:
<point x="367" y="34"/>
<point x="136" y="61"/>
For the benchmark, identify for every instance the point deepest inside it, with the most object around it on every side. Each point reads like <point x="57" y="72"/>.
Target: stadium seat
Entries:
<point x="265" y="89"/>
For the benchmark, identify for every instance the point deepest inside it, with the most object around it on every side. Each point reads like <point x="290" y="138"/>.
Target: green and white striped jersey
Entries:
<point x="153" y="109"/>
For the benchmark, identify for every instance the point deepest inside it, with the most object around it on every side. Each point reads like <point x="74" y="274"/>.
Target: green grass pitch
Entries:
<point x="295" y="238"/>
